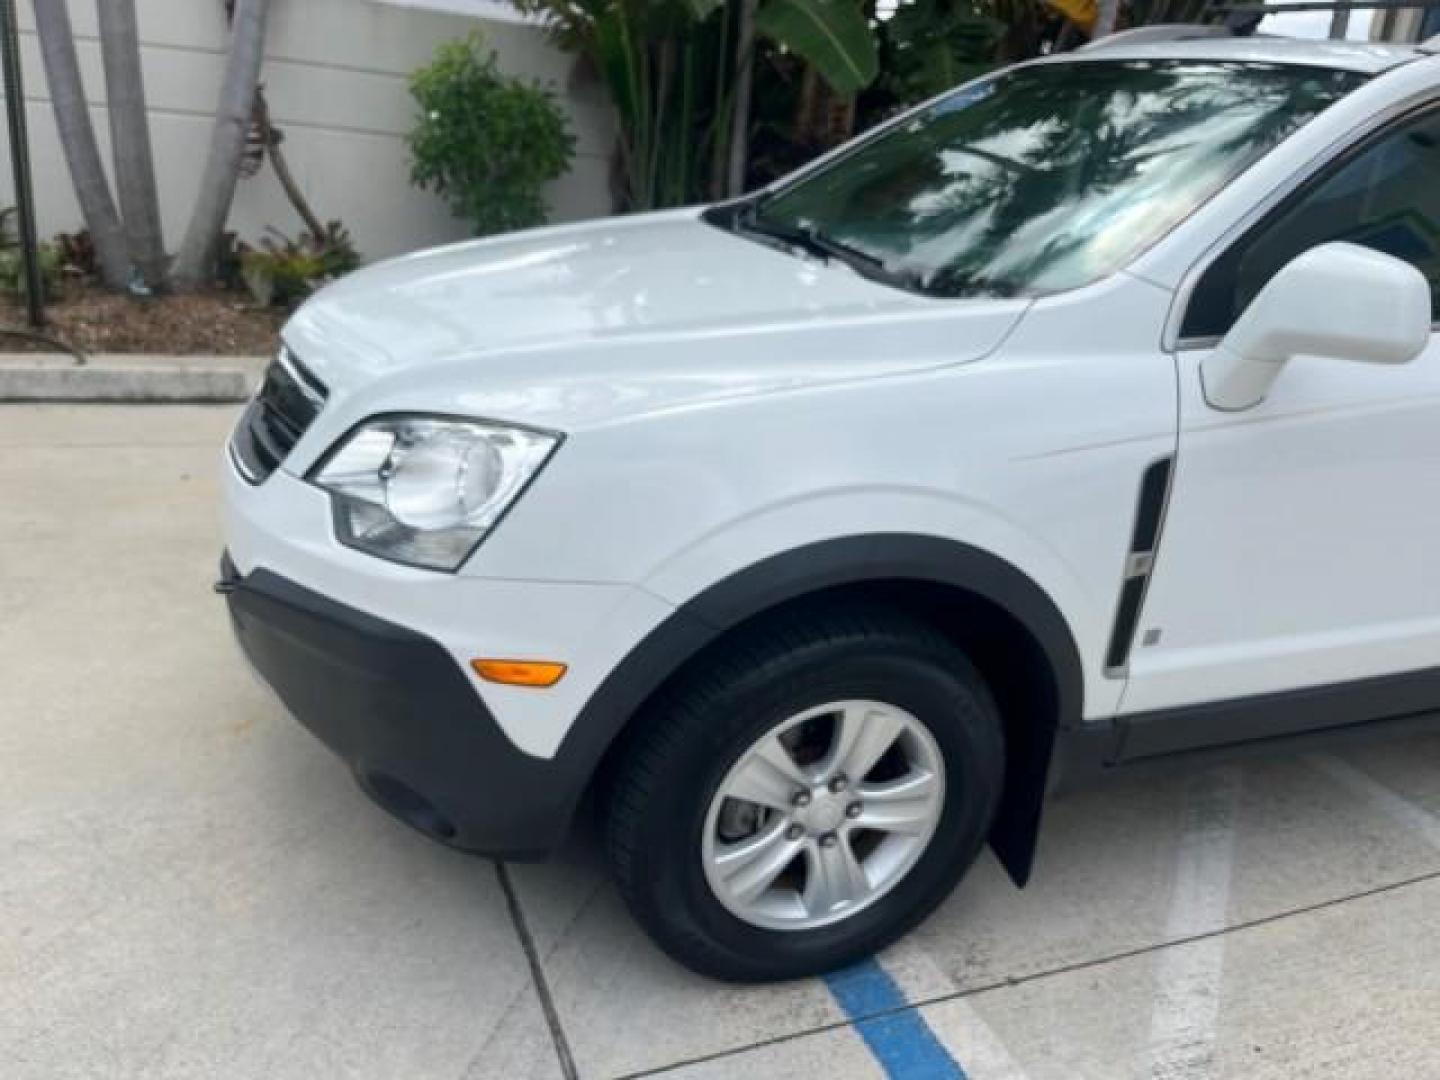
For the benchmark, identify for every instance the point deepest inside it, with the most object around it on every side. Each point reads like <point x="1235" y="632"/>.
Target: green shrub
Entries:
<point x="284" y="272"/>
<point x="336" y="250"/>
<point x="484" y="141"/>
<point x="12" y="271"/>
<point x="282" y="278"/>
<point x="55" y="260"/>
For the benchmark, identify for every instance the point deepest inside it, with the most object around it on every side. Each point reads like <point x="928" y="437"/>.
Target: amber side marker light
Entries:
<point x="536" y="673"/>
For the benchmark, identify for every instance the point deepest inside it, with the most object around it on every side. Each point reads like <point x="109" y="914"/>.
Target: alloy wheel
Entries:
<point x="823" y="815"/>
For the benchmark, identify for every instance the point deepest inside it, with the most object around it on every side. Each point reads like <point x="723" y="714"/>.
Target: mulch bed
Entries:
<point x="198" y="324"/>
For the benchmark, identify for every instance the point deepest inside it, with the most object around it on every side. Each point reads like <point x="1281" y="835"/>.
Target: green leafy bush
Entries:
<point x="280" y="277"/>
<point x="12" y="271"/>
<point x="486" y="142"/>
<point x="283" y="272"/>
<point x="12" y="261"/>
<point x="336" y="249"/>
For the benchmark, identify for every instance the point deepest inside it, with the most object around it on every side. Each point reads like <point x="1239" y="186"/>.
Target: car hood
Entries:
<point x="559" y="325"/>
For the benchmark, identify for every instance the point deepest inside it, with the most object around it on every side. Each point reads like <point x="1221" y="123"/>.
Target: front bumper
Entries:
<point x="374" y="658"/>
<point x="399" y="710"/>
<point x="284" y="527"/>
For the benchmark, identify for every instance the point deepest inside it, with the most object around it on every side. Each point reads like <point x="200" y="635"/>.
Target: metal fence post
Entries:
<point x="20" y="153"/>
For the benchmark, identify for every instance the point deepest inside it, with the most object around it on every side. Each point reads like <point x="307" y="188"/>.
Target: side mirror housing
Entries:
<point x="1339" y="301"/>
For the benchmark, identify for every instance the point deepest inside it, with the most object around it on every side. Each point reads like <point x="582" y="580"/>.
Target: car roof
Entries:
<point x="1369" y="58"/>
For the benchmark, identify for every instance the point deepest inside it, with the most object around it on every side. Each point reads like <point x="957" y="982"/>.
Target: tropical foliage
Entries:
<point x="716" y="96"/>
<point x="833" y="35"/>
<point x="282" y="271"/>
<point x="681" y="72"/>
<point x="933" y="45"/>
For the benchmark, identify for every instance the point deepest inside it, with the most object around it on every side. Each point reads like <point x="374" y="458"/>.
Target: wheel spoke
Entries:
<point x="768" y="777"/>
<point x="833" y="879"/>
<point x="862" y="735"/>
<point x="907" y="805"/>
<point x="751" y="866"/>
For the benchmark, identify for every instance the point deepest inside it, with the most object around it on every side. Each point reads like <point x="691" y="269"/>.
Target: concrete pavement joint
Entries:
<point x="537" y="974"/>
<point x="521" y="998"/>
<point x="1064" y="969"/>
<point x="569" y="928"/>
<point x="898" y="1037"/>
<point x="984" y="1053"/>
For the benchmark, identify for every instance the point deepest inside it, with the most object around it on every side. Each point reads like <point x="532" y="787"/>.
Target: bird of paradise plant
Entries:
<point x="679" y="72"/>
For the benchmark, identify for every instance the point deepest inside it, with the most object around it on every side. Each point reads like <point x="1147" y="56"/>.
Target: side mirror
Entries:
<point x="1339" y="301"/>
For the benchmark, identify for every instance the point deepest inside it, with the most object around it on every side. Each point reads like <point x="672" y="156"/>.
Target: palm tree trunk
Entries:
<point x="719" y="131"/>
<point x="130" y="135"/>
<point x="196" y="261"/>
<point x="744" y="88"/>
<point x="1105" y="19"/>
<point x="806" y="106"/>
<point x="664" y="80"/>
<point x="77" y="137"/>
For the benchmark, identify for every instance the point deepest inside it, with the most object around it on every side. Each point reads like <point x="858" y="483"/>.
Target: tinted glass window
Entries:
<point x="1386" y="197"/>
<point x="1049" y="177"/>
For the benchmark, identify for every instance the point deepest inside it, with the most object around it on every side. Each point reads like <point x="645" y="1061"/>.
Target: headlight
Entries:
<point x="425" y="491"/>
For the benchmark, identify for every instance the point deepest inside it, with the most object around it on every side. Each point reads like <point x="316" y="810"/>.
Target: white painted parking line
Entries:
<point x="1188" y="979"/>
<point x="975" y="1042"/>
<point x="1415" y="818"/>
<point x="959" y="1027"/>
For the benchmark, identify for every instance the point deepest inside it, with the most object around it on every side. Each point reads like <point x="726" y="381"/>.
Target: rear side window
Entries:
<point x="1385" y="196"/>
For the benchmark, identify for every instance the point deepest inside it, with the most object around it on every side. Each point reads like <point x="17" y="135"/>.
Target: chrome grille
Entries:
<point x="289" y="400"/>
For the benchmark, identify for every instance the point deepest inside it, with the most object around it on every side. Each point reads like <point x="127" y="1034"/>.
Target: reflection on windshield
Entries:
<point x="1048" y="177"/>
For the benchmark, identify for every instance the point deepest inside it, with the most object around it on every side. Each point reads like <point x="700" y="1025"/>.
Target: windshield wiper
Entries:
<point x="809" y="239"/>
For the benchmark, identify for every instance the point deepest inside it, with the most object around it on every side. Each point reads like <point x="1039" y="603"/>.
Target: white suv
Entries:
<point x="1079" y="418"/>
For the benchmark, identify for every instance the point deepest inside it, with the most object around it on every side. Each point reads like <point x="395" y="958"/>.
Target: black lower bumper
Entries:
<point x="401" y="712"/>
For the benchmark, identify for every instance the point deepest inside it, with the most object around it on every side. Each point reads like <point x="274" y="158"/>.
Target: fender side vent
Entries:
<point x="1139" y="562"/>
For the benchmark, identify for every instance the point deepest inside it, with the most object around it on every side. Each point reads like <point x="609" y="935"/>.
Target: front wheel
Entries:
<point x="806" y="798"/>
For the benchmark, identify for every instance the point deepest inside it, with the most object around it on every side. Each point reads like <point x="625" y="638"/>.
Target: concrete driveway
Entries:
<point x="191" y="887"/>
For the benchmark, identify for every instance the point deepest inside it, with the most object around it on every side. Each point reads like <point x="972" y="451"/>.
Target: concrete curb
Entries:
<point x="126" y="380"/>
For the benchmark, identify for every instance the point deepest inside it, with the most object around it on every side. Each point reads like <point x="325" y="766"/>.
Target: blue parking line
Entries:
<point x="897" y="1035"/>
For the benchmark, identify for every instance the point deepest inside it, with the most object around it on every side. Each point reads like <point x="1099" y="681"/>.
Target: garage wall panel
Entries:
<point x="336" y="75"/>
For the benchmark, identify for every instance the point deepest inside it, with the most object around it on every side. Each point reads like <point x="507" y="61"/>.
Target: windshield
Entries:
<point x="1045" y="178"/>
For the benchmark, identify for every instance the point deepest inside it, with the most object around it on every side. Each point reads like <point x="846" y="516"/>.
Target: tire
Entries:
<point x="662" y="803"/>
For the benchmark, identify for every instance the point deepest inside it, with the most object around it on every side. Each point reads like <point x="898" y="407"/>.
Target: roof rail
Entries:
<point x="1148" y="35"/>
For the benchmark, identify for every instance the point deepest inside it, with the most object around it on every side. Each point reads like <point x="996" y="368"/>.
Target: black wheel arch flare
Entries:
<point x="813" y="569"/>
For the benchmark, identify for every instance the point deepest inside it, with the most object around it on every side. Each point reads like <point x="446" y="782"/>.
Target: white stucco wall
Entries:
<point x="335" y="74"/>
